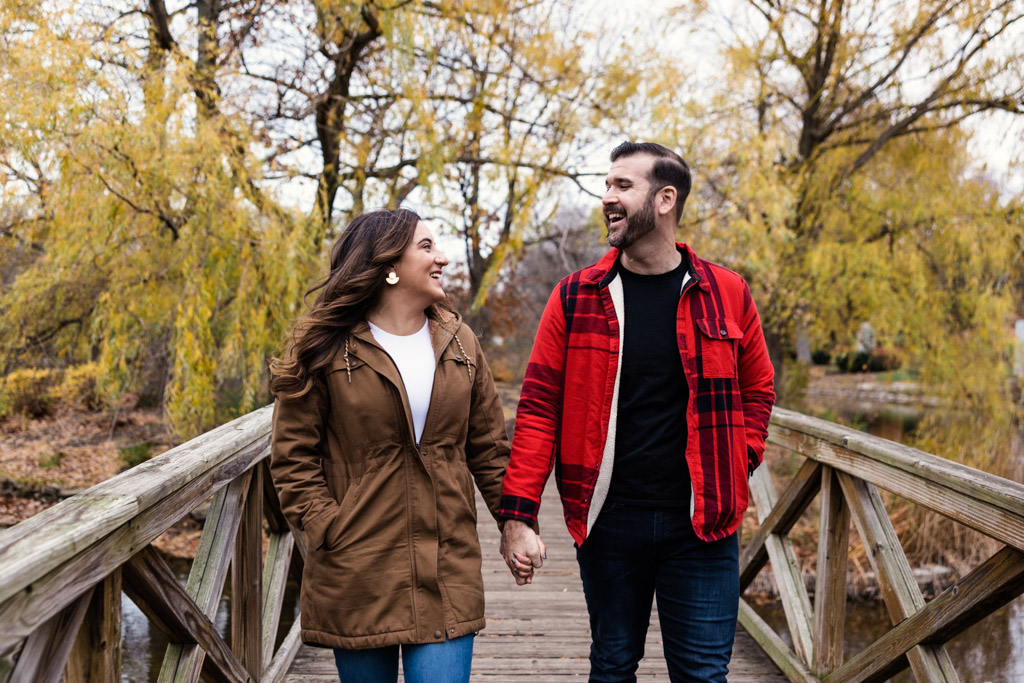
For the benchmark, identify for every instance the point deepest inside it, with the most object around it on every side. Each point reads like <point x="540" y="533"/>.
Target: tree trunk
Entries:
<point x="776" y="343"/>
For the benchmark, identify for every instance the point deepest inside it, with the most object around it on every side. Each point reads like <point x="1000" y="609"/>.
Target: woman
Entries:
<point x="386" y="412"/>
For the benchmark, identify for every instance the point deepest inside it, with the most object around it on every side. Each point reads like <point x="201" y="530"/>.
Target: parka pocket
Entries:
<point x="334" y="535"/>
<point x="718" y="341"/>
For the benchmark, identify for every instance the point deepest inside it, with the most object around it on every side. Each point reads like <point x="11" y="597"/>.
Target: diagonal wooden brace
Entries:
<point x="784" y="515"/>
<point x="785" y="569"/>
<point x="153" y="587"/>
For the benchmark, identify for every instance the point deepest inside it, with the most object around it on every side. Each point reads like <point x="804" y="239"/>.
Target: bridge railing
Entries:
<point x="63" y="571"/>
<point x="846" y="468"/>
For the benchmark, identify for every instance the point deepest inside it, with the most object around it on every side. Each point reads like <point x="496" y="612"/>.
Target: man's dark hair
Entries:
<point x="669" y="169"/>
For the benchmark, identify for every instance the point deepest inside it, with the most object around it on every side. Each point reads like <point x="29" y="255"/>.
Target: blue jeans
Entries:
<point x="634" y="553"/>
<point x="447" y="662"/>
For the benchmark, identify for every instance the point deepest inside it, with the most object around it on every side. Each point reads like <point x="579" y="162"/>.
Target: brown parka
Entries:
<point x="390" y="525"/>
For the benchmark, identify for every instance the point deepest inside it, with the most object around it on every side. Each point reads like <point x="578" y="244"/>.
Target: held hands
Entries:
<point x="522" y="549"/>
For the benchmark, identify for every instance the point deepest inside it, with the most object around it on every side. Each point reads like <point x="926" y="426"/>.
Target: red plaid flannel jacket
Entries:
<point x="566" y="414"/>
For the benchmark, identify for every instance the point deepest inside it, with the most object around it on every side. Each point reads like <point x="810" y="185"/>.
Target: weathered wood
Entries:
<point x="47" y="540"/>
<point x="43" y="656"/>
<point x="996" y="522"/>
<point x="990" y="585"/>
<point x="275" y="578"/>
<point x="96" y="655"/>
<point x="830" y="587"/>
<point x="780" y="520"/>
<point x="47" y="595"/>
<point x="788" y="577"/>
<point x="791" y="665"/>
<point x="209" y="568"/>
<point x="154" y="588"/>
<point x="247" y="581"/>
<point x="278" y="667"/>
<point x="182" y="663"/>
<point x="988" y="488"/>
<point x="896" y="580"/>
<point x="50" y="561"/>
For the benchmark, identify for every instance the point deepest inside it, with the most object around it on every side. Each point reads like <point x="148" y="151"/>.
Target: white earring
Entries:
<point x="392" y="278"/>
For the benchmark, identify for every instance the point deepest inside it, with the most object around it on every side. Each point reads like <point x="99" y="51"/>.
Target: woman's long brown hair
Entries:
<point x="360" y="260"/>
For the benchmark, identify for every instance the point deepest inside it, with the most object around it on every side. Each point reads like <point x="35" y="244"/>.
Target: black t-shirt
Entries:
<point x="650" y="434"/>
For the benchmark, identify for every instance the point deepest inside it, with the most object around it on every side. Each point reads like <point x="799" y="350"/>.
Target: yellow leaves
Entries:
<point x="28" y="391"/>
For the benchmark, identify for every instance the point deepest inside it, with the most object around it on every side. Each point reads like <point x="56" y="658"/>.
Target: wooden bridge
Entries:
<point x="63" y="571"/>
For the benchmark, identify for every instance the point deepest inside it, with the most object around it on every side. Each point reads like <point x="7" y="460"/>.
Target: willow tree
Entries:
<point x="151" y="243"/>
<point x="818" y="91"/>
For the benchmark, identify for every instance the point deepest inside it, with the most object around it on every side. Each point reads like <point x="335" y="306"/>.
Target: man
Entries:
<point x="649" y="391"/>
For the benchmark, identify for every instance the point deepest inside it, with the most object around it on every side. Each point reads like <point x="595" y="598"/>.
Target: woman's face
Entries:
<point x="419" y="269"/>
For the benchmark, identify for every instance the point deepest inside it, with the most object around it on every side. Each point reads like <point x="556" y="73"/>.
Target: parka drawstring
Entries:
<point x="465" y="358"/>
<point x="348" y="367"/>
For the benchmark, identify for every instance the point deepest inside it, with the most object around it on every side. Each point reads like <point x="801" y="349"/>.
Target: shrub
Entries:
<point x="78" y="389"/>
<point x="821" y="357"/>
<point x="28" y="392"/>
<point x="878" y="359"/>
<point x="882" y="359"/>
<point x="852" y="361"/>
<point x="136" y="454"/>
<point x="793" y="392"/>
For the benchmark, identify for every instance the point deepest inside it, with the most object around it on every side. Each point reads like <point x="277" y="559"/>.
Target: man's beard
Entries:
<point x="637" y="225"/>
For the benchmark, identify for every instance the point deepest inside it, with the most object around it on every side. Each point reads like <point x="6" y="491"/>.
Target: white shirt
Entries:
<point x="414" y="356"/>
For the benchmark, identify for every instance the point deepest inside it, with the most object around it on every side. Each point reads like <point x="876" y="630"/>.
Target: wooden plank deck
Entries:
<point x="541" y="631"/>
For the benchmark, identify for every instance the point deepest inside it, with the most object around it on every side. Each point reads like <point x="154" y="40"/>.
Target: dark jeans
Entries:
<point x="634" y="553"/>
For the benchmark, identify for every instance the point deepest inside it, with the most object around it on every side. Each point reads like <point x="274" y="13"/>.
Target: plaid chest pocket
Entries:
<point x="718" y="341"/>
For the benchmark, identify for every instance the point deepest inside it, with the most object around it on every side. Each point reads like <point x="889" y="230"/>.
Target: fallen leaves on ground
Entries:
<point x="45" y="459"/>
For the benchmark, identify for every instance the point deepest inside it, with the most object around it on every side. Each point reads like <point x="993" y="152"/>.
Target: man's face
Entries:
<point x="628" y="203"/>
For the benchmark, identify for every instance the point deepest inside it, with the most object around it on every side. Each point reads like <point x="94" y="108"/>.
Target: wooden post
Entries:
<point x="247" y="581"/>
<point x="830" y="587"/>
<point x="96" y="654"/>
<point x="43" y="656"/>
